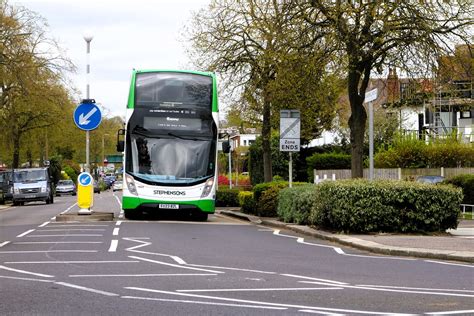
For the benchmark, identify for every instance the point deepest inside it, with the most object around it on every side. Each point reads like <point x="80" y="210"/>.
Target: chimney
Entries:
<point x="393" y="86"/>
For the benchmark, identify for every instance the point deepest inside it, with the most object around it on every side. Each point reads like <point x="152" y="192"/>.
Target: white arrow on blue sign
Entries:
<point x="84" y="179"/>
<point x="87" y="116"/>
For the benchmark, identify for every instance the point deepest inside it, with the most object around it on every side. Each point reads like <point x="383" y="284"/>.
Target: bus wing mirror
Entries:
<point x="225" y="147"/>
<point x="120" y="143"/>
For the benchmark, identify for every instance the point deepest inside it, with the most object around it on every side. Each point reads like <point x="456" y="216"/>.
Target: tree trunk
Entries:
<point x="357" y="121"/>
<point x="16" y="151"/>
<point x="266" y="143"/>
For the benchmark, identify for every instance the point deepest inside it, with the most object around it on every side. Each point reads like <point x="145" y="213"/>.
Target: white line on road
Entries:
<point x="267" y="289"/>
<point x="45" y="251"/>
<point x="115" y="232"/>
<point x="4" y="243"/>
<point x="71" y="262"/>
<point x="415" y="288"/>
<point x="26" y="272"/>
<point x="25" y="233"/>
<point x="86" y="289"/>
<point x="144" y="244"/>
<point x="315" y="279"/>
<point x="393" y="290"/>
<point x="68" y="235"/>
<point x="319" y="312"/>
<point x="113" y="245"/>
<point x="260" y="303"/>
<point x="76" y="225"/>
<point x="44" y="224"/>
<point x="203" y="302"/>
<point x="25" y="279"/>
<point x="140" y="275"/>
<point x="56" y="242"/>
<point x="67" y="210"/>
<point x="174" y="265"/>
<point x="227" y="268"/>
<point x="72" y="229"/>
<point x="118" y="223"/>
<point x="451" y="264"/>
<point x="452" y="312"/>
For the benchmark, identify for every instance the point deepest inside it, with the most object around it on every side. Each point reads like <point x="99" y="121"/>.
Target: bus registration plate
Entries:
<point x="169" y="206"/>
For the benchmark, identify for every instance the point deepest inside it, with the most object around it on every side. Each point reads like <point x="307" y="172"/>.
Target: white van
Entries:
<point x="32" y="184"/>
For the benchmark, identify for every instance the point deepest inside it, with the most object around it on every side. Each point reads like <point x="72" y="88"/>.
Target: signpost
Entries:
<point x="290" y="127"/>
<point x="369" y="97"/>
<point x="85" y="193"/>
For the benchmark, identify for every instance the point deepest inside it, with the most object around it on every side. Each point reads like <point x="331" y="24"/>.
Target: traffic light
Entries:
<point x="225" y="147"/>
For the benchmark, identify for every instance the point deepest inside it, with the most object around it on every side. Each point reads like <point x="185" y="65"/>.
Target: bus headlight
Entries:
<point x="208" y="187"/>
<point x="131" y="184"/>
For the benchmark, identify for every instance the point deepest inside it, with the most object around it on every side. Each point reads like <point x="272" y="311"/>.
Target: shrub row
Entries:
<point x="466" y="183"/>
<point x="262" y="201"/>
<point x="378" y="206"/>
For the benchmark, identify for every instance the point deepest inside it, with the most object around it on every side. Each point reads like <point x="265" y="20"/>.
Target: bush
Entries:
<point x="294" y="204"/>
<point x="385" y="206"/>
<point x="71" y="173"/>
<point x="266" y="197"/>
<point x="246" y="201"/>
<point x="466" y="183"/>
<point x="227" y="197"/>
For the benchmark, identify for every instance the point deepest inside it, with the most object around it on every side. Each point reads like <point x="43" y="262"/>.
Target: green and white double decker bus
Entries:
<point x="170" y="143"/>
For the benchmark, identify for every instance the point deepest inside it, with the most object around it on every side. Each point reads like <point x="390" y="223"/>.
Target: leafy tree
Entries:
<point x="31" y="93"/>
<point x="252" y="44"/>
<point x="367" y="36"/>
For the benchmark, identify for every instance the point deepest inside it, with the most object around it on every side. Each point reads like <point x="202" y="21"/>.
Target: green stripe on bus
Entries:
<point x="207" y="206"/>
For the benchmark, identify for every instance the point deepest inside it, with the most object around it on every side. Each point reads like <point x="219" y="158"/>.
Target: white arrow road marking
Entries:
<point x="84" y="119"/>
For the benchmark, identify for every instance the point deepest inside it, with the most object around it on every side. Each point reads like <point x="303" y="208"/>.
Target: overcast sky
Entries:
<point x="138" y="34"/>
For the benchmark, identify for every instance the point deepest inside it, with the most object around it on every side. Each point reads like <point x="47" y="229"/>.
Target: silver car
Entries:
<point x="66" y="187"/>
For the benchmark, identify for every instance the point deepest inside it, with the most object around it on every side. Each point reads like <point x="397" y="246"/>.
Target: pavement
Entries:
<point x="456" y="245"/>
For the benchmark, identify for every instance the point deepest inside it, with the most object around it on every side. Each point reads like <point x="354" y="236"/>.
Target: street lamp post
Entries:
<point x="103" y="148"/>
<point x="88" y="38"/>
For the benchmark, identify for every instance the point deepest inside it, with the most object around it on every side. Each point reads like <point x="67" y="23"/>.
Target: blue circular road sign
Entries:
<point x="84" y="179"/>
<point x="87" y="116"/>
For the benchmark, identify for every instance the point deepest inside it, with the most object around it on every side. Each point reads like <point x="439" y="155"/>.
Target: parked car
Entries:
<point x="6" y="186"/>
<point x="66" y="187"/>
<point x="430" y="179"/>
<point x="117" y="186"/>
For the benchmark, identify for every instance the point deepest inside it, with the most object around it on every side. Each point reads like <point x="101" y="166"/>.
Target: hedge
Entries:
<point x="362" y="206"/>
<point x="266" y="197"/>
<point x="227" y="197"/>
<point x="466" y="183"/>
<point x="246" y="201"/>
<point x="294" y="204"/>
<point x="386" y="206"/>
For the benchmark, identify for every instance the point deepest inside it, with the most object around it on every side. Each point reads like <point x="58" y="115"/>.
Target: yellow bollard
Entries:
<point x="85" y="193"/>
